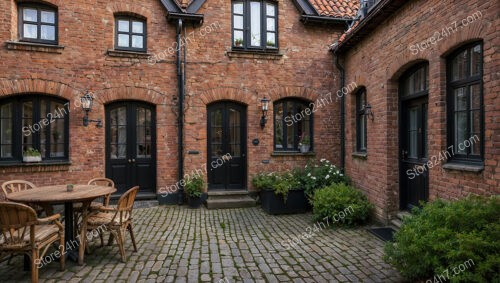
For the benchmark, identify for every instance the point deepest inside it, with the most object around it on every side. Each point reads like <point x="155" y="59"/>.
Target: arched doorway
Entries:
<point x="131" y="145"/>
<point x="226" y="132"/>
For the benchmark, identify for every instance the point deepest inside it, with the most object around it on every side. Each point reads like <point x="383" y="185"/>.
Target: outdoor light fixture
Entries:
<point x="265" y="106"/>
<point x="87" y="107"/>
<point x="368" y="111"/>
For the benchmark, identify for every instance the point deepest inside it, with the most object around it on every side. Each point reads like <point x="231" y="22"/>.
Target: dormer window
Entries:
<point x="38" y="23"/>
<point x="255" y="25"/>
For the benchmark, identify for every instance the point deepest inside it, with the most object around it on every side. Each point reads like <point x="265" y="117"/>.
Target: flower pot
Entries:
<point x="296" y="202"/>
<point x="194" y="202"/>
<point x="305" y="148"/>
<point x="32" y="159"/>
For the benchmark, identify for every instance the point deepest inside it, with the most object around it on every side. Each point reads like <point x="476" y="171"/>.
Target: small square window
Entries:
<point x="37" y="23"/>
<point x="130" y="34"/>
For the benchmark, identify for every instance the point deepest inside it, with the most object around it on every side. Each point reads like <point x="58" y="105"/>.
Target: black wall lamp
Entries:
<point x="367" y="111"/>
<point x="265" y="107"/>
<point x="87" y="102"/>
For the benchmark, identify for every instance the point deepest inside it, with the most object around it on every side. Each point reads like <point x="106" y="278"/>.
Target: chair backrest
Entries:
<point x="126" y="204"/>
<point x="103" y="182"/>
<point x="15" y="222"/>
<point x="16" y="186"/>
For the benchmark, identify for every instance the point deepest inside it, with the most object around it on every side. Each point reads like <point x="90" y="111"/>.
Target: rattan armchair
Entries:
<point x="21" y="185"/>
<point x="117" y="220"/>
<point x="23" y="233"/>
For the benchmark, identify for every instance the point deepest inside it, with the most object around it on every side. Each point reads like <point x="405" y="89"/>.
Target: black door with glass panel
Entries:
<point x="414" y="173"/>
<point x="226" y="165"/>
<point x="130" y="146"/>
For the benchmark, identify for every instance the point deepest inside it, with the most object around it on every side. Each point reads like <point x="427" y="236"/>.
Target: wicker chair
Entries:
<point x="94" y="206"/>
<point x="21" y="185"/>
<point x="23" y="233"/>
<point x="117" y="220"/>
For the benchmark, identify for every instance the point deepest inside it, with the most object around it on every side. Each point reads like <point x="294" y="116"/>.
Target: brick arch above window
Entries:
<point x="51" y="3"/>
<point x="47" y="87"/>
<point x="227" y="93"/>
<point x="105" y="96"/>
<point x="126" y="8"/>
<point x="468" y="34"/>
<point x="306" y="93"/>
<point x="401" y="65"/>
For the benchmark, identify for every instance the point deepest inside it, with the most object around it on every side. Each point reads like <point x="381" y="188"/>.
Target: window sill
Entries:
<point x="292" y="153"/>
<point x="34" y="167"/>
<point x="36" y="47"/>
<point x="127" y="54"/>
<point x="360" y="155"/>
<point x="257" y="54"/>
<point x="476" y="168"/>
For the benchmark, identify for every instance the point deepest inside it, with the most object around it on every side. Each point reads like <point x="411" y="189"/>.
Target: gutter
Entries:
<point x="324" y="19"/>
<point x="193" y="18"/>
<point x="341" y="69"/>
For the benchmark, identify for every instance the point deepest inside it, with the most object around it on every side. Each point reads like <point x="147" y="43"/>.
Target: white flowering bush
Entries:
<point x="317" y="175"/>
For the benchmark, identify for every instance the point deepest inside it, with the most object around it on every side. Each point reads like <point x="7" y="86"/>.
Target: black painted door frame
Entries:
<point x="232" y="173"/>
<point x="413" y="148"/>
<point x="136" y="166"/>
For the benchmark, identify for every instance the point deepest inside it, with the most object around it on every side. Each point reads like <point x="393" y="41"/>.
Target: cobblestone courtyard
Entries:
<point x="177" y="244"/>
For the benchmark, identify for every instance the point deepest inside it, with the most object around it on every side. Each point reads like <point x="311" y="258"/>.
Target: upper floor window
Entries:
<point x="37" y="23"/>
<point x="361" y="130"/>
<point x="33" y="122"/>
<point x="292" y="125"/>
<point x="130" y="34"/>
<point x="255" y="25"/>
<point x="465" y="103"/>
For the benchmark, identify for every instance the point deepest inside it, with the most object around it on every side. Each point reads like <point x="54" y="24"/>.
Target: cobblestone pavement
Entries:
<point x="177" y="244"/>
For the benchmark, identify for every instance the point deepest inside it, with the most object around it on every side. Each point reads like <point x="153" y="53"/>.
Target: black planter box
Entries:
<point x="296" y="202"/>
<point x="194" y="202"/>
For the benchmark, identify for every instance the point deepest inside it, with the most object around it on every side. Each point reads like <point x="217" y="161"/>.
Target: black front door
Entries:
<point x="413" y="153"/>
<point x="226" y="165"/>
<point x="130" y="146"/>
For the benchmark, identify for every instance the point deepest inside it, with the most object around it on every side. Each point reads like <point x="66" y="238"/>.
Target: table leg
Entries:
<point x="69" y="237"/>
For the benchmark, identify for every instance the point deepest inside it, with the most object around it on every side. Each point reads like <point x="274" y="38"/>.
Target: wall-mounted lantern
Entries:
<point x="265" y="107"/>
<point x="367" y="111"/>
<point x="87" y="103"/>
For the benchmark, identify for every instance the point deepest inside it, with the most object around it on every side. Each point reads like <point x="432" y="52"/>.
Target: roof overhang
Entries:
<point x="378" y="14"/>
<point x="324" y="19"/>
<point x="196" y="19"/>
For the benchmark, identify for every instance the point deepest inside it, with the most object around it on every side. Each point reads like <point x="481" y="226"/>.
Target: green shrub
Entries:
<point x="194" y="186"/>
<point x="264" y="180"/>
<point x="341" y="204"/>
<point x="442" y="236"/>
<point x="319" y="175"/>
<point x="280" y="183"/>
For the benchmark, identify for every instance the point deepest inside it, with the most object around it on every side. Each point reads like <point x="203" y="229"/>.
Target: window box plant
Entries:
<point x="281" y="193"/>
<point x="194" y="189"/>
<point x="238" y="42"/>
<point x="31" y="155"/>
<point x="305" y="144"/>
<point x="270" y="44"/>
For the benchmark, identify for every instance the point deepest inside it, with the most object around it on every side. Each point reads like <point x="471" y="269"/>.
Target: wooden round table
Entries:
<point x="58" y="194"/>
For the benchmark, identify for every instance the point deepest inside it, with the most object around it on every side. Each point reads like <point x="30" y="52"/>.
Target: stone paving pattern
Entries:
<point x="178" y="244"/>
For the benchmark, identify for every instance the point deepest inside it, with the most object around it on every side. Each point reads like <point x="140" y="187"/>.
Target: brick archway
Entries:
<point x="127" y="7"/>
<point x="23" y="86"/>
<point x="109" y="95"/>
<point x="467" y="34"/>
<point x="281" y="92"/>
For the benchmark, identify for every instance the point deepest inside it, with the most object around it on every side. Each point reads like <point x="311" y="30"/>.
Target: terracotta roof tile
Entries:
<point x="336" y="8"/>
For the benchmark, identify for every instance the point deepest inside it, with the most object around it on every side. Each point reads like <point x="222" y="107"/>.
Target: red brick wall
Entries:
<point x="86" y="30"/>
<point x="384" y="55"/>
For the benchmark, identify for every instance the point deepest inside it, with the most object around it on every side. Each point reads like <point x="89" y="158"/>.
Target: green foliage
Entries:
<point x="194" y="186"/>
<point x="341" y="204"/>
<point x="319" y="175"/>
<point x="280" y="183"/>
<point x="443" y="235"/>
<point x="31" y="152"/>
<point x="264" y="180"/>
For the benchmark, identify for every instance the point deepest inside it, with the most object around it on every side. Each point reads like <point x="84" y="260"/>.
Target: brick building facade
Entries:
<point x="392" y="40"/>
<point x="125" y="54"/>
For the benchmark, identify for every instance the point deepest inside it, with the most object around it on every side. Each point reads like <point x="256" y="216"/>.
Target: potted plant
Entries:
<point x="281" y="193"/>
<point x="270" y="44"/>
<point x="194" y="189"/>
<point x="31" y="155"/>
<point x="238" y="42"/>
<point x="305" y="144"/>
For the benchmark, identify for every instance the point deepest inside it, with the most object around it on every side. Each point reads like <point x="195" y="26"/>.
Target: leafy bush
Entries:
<point x="264" y="180"/>
<point x="442" y="236"/>
<point x="280" y="183"/>
<point x="319" y="175"/>
<point x="194" y="186"/>
<point x="341" y="204"/>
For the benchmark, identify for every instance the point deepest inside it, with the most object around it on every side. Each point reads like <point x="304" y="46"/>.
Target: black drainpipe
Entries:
<point x="342" y="111"/>
<point x="180" y="118"/>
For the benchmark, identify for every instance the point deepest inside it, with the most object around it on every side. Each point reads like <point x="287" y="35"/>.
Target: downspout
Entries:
<point x="180" y="118"/>
<point x="341" y="69"/>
